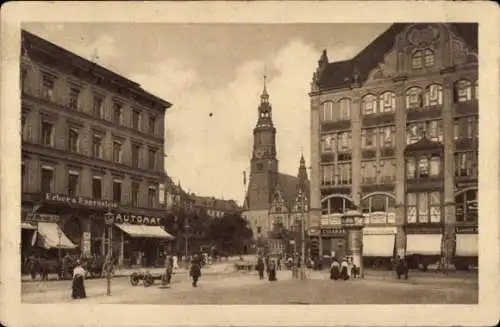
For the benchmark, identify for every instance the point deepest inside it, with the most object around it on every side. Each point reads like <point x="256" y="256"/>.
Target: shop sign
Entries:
<point x="136" y="219"/>
<point x="332" y="231"/>
<point x="423" y="230"/>
<point x="466" y="229"/>
<point x="379" y="217"/>
<point x="42" y="217"/>
<point x="80" y="200"/>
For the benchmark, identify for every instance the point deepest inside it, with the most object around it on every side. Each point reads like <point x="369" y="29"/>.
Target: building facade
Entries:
<point x="394" y="133"/>
<point x="272" y="198"/>
<point x="214" y="207"/>
<point x="92" y="143"/>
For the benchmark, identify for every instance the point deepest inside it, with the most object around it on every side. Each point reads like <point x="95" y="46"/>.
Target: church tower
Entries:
<point x="264" y="165"/>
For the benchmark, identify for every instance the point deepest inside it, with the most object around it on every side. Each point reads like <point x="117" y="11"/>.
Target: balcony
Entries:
<point x="428" y="112"/>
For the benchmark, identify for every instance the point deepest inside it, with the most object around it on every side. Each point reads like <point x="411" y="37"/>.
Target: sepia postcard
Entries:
<point x="250" y="163"/>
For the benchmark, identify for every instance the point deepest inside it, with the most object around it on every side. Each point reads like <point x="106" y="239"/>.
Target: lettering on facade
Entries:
<point x="137" y="219"/>
<point x="332" y="231"/>
<point x="379" y="217"/>
<point x="80" y="200"/>
<point x="466" y="229"/>
<point x="42" y="217"/>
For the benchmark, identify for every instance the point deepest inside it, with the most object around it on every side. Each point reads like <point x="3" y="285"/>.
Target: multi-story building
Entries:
<point x="394" y="133"/>
<point x="216" y="208"/>
<point x="92" y="143"/>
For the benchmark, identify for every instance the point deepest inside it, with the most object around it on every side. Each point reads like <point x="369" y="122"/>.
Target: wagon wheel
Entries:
<point x="134" y="279"/>
<point x="148" y="280"/>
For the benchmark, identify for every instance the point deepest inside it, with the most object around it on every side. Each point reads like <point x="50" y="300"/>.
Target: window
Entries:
<point x="117" y="191"/>
<point x="428" y="58"/>
<point x="47" y="179"/>
<point x="97" y="108"/>
<point x="387" y="170"/>
<point x="423" y="167"/>
<point x="423" y="208"/>
<point x="328" y="111"/>
<point x="74" y="96"/>
<point x="117" y="113"/>
<point x="433" y="95"/>
<point x="152" y="158"/>
<point x="152" y="124"/>
<point x="368" y="172"/>
<point x="135" y="155"/>
<point x="327" y="175"/>
<point x="411" y="168"/>
<point x="414" y="132"/>
<point x="465" y="128"/>
<point x="47" y="133"/>
<point x="416" y="60"/>
<point x="117" y="151"/>
<point x="73" y="183"/>
<point x="152" y="197"/>
<point x="466" y="208"/>
<point x="345" y="109"/>
<point x="368" y="138"/>
<point x="47" y="91"/>
<point x="136" y="119"/>
<point x="97" y="146"/>
<point x="73" y="140"/>
<point x="413" y="98"/>
<point x="387" y="102"/>
<point x="435" y="166"/>
<point x="466" y="164"/>
<point x="344" y="173"/>
<point x="411" y="207"/>
<point x="387" y="136"/>
<point x="344" y="141"/>
<point x="463" y="91"/>
<point x="327" y="143"/>
<point x="435" y="207"/>
<point x="135" y="194"/>
<point x="24" y="119"/>
<point x="369" y="104"/>
<point x="434" y="130"/>
<point x="97" y="187"/>
<point x="476" y="90"/>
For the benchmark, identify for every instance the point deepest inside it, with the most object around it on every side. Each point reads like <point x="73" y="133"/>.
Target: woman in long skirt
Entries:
<point x="335" y="270"/>
<point x="272" y="271"/>
<point x="344" y="269"/>
<point x="78" y="287"/>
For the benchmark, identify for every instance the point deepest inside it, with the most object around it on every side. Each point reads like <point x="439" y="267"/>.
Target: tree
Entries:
<point x="230" y="233"/>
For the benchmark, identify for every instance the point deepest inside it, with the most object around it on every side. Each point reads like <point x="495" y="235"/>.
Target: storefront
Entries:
<point x="379" y="245"/>
<point x="466" y="247"/>
<point x="333" y="241"/>
<point x="423" y="245"/>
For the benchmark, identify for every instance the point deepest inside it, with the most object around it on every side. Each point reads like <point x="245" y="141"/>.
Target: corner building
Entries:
<point x="394" y="133"/>
<point x="92" y="142"/>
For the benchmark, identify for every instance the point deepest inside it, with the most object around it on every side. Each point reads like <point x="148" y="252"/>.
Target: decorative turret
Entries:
<point x="265" y="109"/>
<point x="302" y="175"/>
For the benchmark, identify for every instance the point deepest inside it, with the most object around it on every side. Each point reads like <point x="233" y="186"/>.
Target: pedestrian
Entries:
<point x="195" y="270"/>
<point x="344" y="269"/>
<point x="168" y="270"/>
<point x="272" y="271"/>
<point x="335" y="270"/>
<point x="260" y="267"/>
<point x="78" y="287"/>
<point x="279" y="262"/>
<point x="402" y="267"/>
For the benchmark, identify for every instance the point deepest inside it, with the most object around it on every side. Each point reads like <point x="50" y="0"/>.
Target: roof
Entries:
<point x="339" y="74"/>
<point x="289" y="186"/>
<point x="213" y="203"/>
<point x="81" y="62"/>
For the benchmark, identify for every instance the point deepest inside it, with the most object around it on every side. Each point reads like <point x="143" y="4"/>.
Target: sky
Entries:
<point x="218" y="69"/>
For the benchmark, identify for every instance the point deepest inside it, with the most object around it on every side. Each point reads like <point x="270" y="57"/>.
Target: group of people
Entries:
<point x="194" y="269"/>
<point x="269" y="265"/>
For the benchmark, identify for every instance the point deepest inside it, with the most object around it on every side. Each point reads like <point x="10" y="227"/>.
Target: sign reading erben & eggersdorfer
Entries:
<point x="81" y="200"/>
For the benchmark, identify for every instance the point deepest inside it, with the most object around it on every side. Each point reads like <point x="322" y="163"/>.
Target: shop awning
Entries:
<point x="423" y="244"/>
<point x="144" y="231"/>
<point x="466" y="245"/>
<point x="28" y="226"/>
<point x="378" y="245"/>
<point x="50" y="236"/>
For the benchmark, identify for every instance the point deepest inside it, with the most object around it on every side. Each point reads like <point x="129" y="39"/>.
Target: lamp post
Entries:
<point x="59" y="235"/>
<point x="302" y="237"/>
<point x="109" y="218"/>
<point x="353" y="223"/>
<point x="186" y="244"/>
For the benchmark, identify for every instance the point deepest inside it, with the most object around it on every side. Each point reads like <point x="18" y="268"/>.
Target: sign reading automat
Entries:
<point x="137" y="219"/>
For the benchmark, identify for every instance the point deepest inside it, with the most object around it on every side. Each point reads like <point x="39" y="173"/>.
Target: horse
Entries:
<point x="44" y="267"/>
<point x="95" y="266"/>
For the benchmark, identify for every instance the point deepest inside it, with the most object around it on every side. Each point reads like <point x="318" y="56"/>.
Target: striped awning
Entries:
<point x="50" y="236"/>
<point x="145" y="231"/>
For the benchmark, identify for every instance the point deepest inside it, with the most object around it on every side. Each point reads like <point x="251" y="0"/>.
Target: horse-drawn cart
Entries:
<point x="147" y="278"/>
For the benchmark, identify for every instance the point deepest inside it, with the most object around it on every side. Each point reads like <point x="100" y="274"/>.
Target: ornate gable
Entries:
<point x="278" y="203"/>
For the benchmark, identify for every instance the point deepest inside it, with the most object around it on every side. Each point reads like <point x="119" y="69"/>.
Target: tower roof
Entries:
<point x="265" y="109"/>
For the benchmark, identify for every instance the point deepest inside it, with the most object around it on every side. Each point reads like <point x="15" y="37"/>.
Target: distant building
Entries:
<point x="92" y="142"/>
<point x="216" y="208"/>
<point x="394" y="133"/>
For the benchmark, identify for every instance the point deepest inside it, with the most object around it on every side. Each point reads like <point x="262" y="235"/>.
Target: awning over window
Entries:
<point x="28" y="226"/>
<point x="424" y="244"/>
<point x="144" y="231"/>
<point x="466" y="245"/>
<point x="50" y="235"/>
<point x="378" y="245"/>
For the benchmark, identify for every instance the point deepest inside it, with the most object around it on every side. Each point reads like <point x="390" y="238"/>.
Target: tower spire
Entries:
<point x="264" y="97"/>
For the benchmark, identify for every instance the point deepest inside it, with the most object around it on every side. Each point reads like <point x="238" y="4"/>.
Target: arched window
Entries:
<point x="387" y="102"/>
<point x="416" y="60"/>
<point x="413" y="98"/>
<point x="463" y="91"/>
<point x="428" y="58"/>
<point x="336" y="204"/>
<point x="476" y="90"/>
<point x="327" y="111"/>
<point x="433" y="95"/>
<point x="369" y="104"/>
<point x="345" y="109"/>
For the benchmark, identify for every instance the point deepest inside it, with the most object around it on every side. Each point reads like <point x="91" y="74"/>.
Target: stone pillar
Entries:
<point x="400" y="142"/>
<point x="449" y="217"/>
<point x="356" y="151"/>
<point x="315" y="184"/>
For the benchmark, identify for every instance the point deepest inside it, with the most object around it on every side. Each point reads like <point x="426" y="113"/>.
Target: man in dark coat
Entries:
<point x="195" y="270"/>
<point x="260" y="267"/>
<point x="401" y="268"/>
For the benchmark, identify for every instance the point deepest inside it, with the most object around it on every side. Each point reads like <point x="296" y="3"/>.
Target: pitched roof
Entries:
<point x="339" y="74"/>
<point x="289" y="186"/>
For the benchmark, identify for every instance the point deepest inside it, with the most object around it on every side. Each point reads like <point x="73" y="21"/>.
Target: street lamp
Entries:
<point x="302" y="237"/>
<point x="353" y="223"/>
<point x="59" y="235"/>
<point x="186" y="244"/>
<point x="109" y="218"/>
